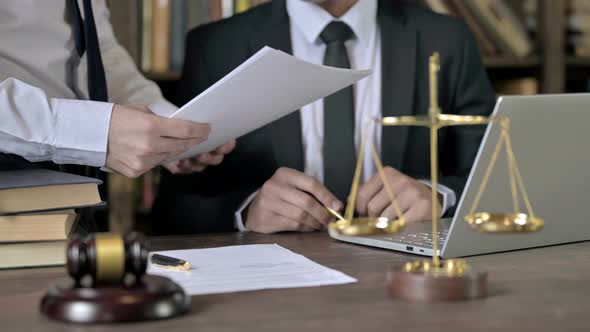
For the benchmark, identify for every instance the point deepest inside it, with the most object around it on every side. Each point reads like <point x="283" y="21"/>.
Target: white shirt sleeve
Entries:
<point x="126" y="84"/>
<point x="238" y="219"/>
<point x="39" y="128"/>
<point x="449" y="196"/>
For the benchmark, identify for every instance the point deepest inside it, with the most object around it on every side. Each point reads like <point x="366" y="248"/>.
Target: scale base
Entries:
<point x="153" y="298"/>
<point x="414" y="283"/>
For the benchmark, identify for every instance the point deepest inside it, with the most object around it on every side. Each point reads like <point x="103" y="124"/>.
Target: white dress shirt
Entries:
<point x="43" y="84"/>
<point x="307" y="23"/>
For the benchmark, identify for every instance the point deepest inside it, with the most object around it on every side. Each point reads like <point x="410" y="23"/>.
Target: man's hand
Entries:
<point x="140" y="140"/>
<point x="291" y="201"/>
<point x="414" y="198"/>
<point x="199" y="163"/>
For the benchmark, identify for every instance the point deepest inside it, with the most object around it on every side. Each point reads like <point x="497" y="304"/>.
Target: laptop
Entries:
<point x="551" y="139"/>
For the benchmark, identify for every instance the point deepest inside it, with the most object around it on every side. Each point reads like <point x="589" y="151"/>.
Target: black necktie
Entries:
<point x="87" y="41"/>
<point x="339" y="150"/>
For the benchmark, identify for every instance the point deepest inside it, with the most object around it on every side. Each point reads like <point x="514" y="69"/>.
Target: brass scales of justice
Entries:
<point x="453" y="279"/>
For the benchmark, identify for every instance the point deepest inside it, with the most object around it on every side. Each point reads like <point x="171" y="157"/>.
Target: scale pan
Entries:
<point x="368" y="226"/>
<point x="486" y="222"/>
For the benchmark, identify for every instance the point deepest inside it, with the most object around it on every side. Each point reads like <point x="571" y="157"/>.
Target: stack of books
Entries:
<point x="497" y="26"/>
<point x="37" y="213"/>
<point x="164" y="24"/>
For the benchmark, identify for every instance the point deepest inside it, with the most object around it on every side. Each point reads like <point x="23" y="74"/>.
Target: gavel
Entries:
<point x="107" y="258"/>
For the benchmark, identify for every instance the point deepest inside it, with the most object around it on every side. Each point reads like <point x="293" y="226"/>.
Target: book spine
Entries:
<point x="215" y="10"/>
<point x="254" y="3"/>
<point x="241" y="6"/>
<point x="161" y="35"/>
<point x="227" y="8"/>
<point x="178" y="28"/>
<point x="438" y="6"/>
<point x="146" y="35"/>
<point x="198" y="13"/>
<point x="491" y="23"/>
<point x="485" y="43"/>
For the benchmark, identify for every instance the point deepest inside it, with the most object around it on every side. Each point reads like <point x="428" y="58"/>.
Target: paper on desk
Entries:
<point x="265" y="88"/>
<point x="247" y="268"/>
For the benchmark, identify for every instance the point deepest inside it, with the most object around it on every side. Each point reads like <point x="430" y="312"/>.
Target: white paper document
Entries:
<point x="247" y="268"/>
<point x="265" y="88"/>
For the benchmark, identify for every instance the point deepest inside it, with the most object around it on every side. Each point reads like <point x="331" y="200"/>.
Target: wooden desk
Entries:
<point x="544" y="289"/>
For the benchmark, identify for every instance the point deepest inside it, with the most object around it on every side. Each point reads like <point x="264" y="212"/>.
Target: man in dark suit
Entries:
<point x="279" y="176"/>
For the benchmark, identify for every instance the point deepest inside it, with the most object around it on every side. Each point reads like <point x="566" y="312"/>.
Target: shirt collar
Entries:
<point x="311" y="19"/>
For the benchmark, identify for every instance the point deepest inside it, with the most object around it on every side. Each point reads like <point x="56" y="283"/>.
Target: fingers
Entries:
<point x="310" y="185"/>
<point x="175" y="128"/>
<point x="378" y="204"/>
<point x="288" y="195"/>
<point x="414" y="201"/>
<point x="309" y="210"/>
<point x="366" y="193"/>
<point x="270" y="214"/>
<point x="226" y="148"/>
<point x="209" y="159"/>
<point x="420" y="211"/>
<point x="173" y="167"/>
<point x="293" y="212"/>
<point x="171" y="146"/>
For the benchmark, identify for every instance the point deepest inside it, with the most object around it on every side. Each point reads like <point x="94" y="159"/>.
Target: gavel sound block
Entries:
<point x="109" y="284"/>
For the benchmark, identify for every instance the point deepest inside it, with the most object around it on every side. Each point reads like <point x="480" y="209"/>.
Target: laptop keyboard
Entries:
<point x="419" y="239"/>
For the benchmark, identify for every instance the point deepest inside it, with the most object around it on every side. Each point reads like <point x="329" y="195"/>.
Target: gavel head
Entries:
<point x="107" y="258"/>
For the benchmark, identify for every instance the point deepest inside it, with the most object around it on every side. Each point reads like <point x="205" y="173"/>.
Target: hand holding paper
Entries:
<point x="266" y="87"/>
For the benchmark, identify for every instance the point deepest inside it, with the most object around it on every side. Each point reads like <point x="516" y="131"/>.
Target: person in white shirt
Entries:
<point x="45" y="114"/>
<point x="281" y="177"/>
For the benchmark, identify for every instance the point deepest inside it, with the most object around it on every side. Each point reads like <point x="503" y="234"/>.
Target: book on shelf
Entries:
<point x="164" y="24"/>
<point x="495" y="24"/>
<point x="519" y="86"/>
<point x="486" y="44"/>
<point x="146" y="35"/>
<point x="199" y="12"/>
<point x="178" y="28"/>
<point x="439" y="6"/>
<point x="216" y="10"/>
<point x="507" y="31"/>
<point x="161" y="10"/>
<point x="42" y="190"/>
<point x="241" y="6"/>
<point x="578" y="28"/>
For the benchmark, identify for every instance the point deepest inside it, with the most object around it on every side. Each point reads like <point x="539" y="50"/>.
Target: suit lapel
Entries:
<point x="285" y="133"/>
<point x="398" y="62"/>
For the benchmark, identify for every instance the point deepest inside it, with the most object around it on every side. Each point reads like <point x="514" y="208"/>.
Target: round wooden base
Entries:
<point x="437" y="287"/>
<point x="154" y="298"/>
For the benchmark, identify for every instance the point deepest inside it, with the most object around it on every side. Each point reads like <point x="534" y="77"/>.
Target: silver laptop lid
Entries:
<point x="551" y="140"/>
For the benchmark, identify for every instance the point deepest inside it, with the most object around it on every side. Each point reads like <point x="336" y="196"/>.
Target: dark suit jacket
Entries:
<point x="409" y="35"/>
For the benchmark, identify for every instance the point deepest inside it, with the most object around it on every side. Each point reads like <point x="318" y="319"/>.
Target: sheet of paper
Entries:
<point x="265" y="88"/>
<point x="246" y="268"/>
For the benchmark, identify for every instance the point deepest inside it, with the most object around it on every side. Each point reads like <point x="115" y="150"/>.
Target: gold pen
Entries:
<point x="335" y="213"/>
<point x="170" y="263"/>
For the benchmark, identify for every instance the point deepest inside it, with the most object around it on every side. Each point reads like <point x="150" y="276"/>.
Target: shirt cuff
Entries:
<point x="81" y="131"/>
<point x="449" y="196"/>
<point x="239" y="220"/>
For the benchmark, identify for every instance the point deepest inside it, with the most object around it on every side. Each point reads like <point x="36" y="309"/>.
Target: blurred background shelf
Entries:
<point x="165" y="76"/>
<point x="507" y="62"/>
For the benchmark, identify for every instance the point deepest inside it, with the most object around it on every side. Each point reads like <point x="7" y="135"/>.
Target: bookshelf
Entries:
<point x="555" y="70"/>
